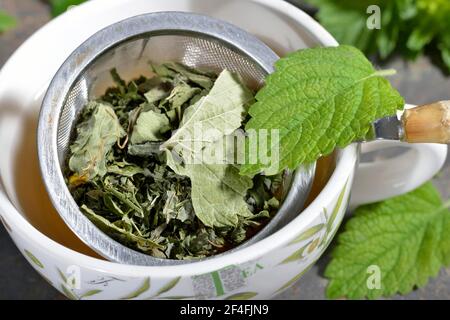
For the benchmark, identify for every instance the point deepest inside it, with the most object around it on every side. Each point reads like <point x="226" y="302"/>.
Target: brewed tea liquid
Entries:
<point x="32" y="196"/>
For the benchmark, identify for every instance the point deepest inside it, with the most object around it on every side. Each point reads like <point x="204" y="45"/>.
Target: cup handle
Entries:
<point x="384" y="177"/>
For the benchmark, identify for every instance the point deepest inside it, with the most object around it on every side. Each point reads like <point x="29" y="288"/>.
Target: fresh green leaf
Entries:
<point x="406" y="237"/>
<point x="319" y="99"/>
<point x="7" y="22"/>
<point x="347" y="21"/>
<point x="60" y="6"/>
<point x="95" y="138"/>
<point x="444" y="43"/>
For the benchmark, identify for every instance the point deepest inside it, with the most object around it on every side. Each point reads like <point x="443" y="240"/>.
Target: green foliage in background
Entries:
<point x="60" y="6"/>
<point x="406" y="25"/>
<point x="7" y="22"/>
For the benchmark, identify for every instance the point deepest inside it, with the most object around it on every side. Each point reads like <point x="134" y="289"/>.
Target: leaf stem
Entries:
<point x="385" y="73"/>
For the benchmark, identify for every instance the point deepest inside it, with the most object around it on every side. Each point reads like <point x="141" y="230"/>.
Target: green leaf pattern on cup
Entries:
<point x="169" y="286"/>
<point x="165" y="288"/>
<point x="320" y="234"/>
<point x="70" y="293"/>
<point x="145" y="286"/>
<point x="334" y="214"/>
<point x="294" y="279"/>
<point x="178" y="297"/>
<point x="33" y="259"/>
<point x="308" y="233"/>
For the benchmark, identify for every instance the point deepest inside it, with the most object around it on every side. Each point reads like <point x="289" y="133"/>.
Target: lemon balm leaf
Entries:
<point x="406" y="238"/>
<point x="319" y="99"/>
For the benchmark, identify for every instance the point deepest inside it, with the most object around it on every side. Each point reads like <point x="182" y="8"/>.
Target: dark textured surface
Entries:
<point x="419" y="82"/>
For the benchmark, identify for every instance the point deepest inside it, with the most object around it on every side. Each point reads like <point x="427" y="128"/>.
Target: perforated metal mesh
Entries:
<point x="131" y="59"/>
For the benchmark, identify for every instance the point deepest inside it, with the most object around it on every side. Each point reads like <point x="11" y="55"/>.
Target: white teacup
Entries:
<point x="259" y="271"/>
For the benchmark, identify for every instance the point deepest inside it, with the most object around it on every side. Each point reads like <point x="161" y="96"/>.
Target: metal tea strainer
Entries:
<point x="194" y="40"/>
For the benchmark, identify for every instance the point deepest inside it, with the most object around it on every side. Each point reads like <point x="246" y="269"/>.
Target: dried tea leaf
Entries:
<point x="95" y="138"/>
<point x="150" y="126"/>
<point x="125" y="169"/>
<point x="218" y="114"/>
<point x="120" y="234"/>
<point x="194" y="76"/>
<point x="144" y="204"/>
<point x="181" y="94"/>
<point x="218" y="190"/>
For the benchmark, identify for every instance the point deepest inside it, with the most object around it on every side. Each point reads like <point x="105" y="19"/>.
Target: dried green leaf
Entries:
<point x="218" y="114"/>
<point x="122" y="235"/>
<point x="150" y="127"/>
<point x="95" y="138"/>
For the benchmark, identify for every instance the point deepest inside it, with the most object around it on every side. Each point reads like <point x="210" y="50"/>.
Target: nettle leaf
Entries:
<point x="320" y="99"/>
<point x="7" y="22"/>
<point x="95" y="138"/>
<point x="218" y="114"/>
<point x="406" y="237"/>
